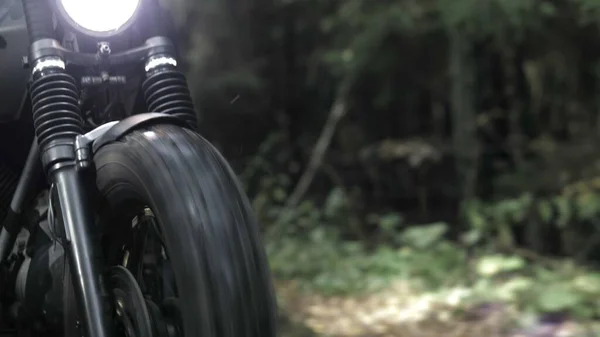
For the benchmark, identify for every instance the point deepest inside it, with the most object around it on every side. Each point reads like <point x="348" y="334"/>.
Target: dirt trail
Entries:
<point x="398" y="312"/>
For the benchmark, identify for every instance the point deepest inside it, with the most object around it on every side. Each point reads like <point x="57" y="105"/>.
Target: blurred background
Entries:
<point x="420" y="167"/>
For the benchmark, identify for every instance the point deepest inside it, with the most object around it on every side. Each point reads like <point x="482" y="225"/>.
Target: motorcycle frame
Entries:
<point x="64" y="167"/>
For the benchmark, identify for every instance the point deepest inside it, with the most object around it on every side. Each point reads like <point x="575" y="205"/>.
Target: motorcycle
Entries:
<point x="119" y="218"/>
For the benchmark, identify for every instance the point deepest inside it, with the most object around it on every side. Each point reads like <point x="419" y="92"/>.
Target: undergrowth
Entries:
<point x="312" y="247"/>
<point x="324" y="263"/>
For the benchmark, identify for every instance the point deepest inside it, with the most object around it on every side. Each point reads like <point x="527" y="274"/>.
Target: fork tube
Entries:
<point x="78" y="224"/>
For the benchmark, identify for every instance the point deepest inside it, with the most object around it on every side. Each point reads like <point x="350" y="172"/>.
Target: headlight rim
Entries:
<point x="64" y="16"/>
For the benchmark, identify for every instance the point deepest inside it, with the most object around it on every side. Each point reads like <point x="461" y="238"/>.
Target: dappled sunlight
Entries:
<point x="402" y="311"/>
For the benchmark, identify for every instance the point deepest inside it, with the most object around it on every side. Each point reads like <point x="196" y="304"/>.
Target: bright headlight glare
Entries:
<point x="100" y="16"/>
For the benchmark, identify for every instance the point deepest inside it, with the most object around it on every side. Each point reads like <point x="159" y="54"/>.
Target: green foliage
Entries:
<point x="335" y="203"/>
<point x="424" y="237"/>
<point x="565" y="213"/>
<point x="537" y="288"/>
<point x="324" y="263"/>
<point x="498" y="18"/>
<point x="388" y="225"/>
<point x="589" y="11"/>
<point x="495" y="264"/>
<point x="362" y="29"/>
<point x="333" y="266"/>
<point x="379" y="44"/>
<point x="313" y="247"/>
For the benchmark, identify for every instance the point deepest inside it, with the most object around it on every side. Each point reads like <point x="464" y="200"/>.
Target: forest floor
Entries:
<point x="430" y="288"/>
<point x="400" y="311"/>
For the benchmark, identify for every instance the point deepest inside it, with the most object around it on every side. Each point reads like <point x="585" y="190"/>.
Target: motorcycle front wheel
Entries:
<point x="204" y="223"/>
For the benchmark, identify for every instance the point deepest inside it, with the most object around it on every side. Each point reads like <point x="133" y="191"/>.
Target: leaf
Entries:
<point x="425" y="236"/>
<point x="510" y="290"/>
<point x="589" y="283"/>
<point x="336" y="200"/>
<point x="279" y="194"/>
<point x="545" y="209"/>
<point x="548" y="8"/>
<point x="453" y="14"/>
<point x="505" y="235"/>
<point x="471" y="237"/>
<point x="588" y="205"/>
<point x="474" y="213"/>
<point x="305" y="207"/>
<point x="495" y="264"/>
<point x="389" y="222"/>
<point x="558" y="297"/>
<point x="318" y="235"/>
<point x="564" y="211"/>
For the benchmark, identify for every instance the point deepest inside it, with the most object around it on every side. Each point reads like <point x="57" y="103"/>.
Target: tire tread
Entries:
<point x="212" y="236"/>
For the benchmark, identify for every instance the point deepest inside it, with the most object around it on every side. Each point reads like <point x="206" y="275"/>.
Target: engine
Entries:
<point x="36" y="271"/>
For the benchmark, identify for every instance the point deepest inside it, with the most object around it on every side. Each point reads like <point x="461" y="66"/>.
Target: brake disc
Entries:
<point x="132" y="315"/>
<point x="161" y="326"/>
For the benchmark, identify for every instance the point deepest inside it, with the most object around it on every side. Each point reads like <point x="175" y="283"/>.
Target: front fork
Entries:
<point x="77" y="218"/>
<point x="72" y="194"/>
<point x="64" y="159"/>
<point x="78" y="221"/>
<point x="65" y="152"/>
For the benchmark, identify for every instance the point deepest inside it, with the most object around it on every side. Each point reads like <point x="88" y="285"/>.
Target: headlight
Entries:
<point x="100" y="16"/>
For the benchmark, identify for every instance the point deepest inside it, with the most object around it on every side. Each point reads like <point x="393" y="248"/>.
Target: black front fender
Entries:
<point x="135" y="122"/>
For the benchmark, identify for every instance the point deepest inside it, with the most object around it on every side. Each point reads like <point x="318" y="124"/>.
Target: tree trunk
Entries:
<point x="464" y="137"/>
